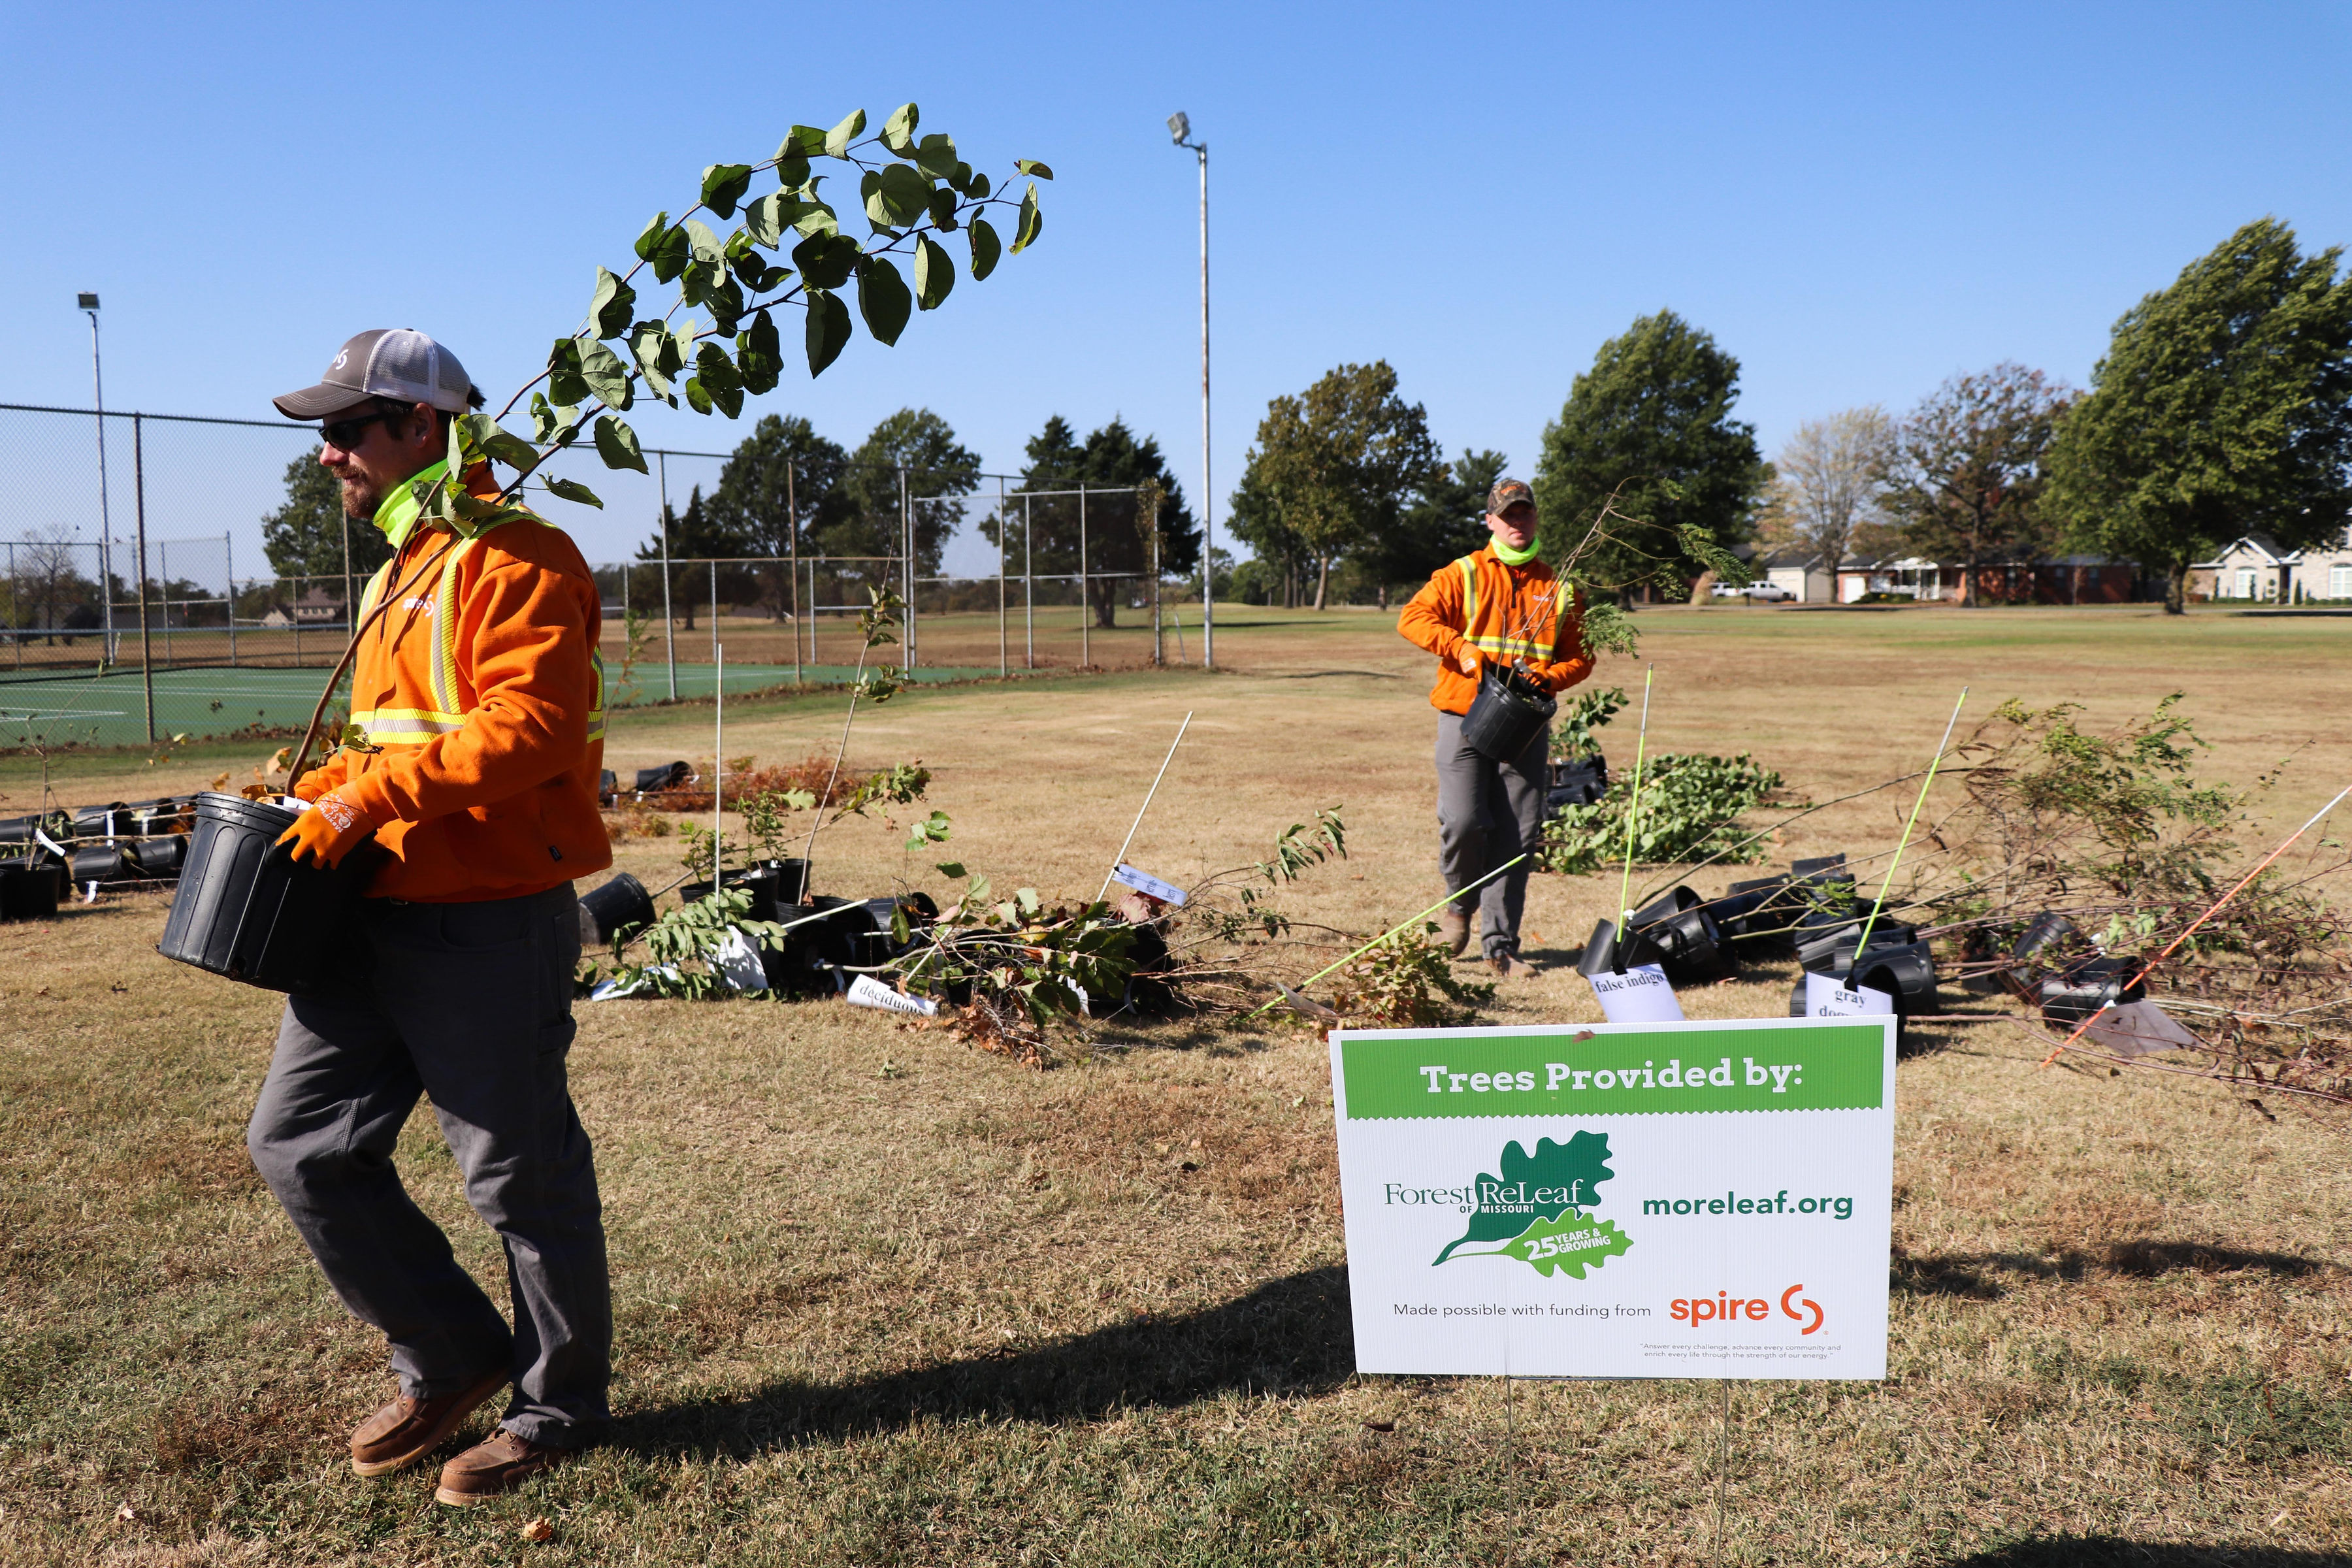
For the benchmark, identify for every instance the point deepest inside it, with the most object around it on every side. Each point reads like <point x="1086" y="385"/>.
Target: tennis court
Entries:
<point x="110" y="709"/>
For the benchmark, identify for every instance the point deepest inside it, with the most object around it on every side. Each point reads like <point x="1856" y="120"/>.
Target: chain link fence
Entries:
<point x="226" y="646"/>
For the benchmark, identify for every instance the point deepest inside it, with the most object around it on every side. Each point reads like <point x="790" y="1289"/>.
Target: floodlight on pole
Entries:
<point x="89" y="302"/>
<point x="1180" y="131"/>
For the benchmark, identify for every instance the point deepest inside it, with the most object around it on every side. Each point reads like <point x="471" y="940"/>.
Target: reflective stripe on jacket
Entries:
<point x="483" y="692"/>
<point x="1508" y="613"/>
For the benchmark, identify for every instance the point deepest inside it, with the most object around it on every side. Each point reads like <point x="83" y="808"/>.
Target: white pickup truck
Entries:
<point x="1770" y="593"/>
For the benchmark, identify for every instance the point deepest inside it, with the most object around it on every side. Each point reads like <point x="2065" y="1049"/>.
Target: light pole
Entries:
<point x="1180" y="131"/>
<point x="89" y="302"/>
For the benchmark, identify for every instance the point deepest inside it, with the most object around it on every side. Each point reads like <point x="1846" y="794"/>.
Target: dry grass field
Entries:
<point x="884" y="1300"/>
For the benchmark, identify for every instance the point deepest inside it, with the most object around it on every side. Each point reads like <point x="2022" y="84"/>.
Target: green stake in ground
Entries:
<point x="1633" y="808"/>
<point x="1400" y="925"/>
<point x="1862" y="943"/>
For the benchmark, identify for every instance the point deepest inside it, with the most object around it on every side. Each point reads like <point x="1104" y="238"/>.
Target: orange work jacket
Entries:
<point x="1508" y="613"/>
<point x="483" y="691"/>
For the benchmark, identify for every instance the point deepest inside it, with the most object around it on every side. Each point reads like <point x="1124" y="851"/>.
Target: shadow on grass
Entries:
<point x="1290" y="1336"/>
<point x="2095" y="1551"/>
<point x="1979" y="1275"/>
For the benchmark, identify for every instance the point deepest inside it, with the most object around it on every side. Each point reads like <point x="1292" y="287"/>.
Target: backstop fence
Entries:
<point x="130" y="612"/>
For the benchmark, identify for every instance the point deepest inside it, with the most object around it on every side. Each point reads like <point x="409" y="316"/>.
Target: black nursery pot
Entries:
<point x="620" y="904"/>
<point x="2080" y="989"/>
<point x="1508" y="712"/>
<point x="29" y="889"/>
<point x="1681" y="930"/>
<point x="1831" y="951"/>
<point x="101" y="863"/>
<point x="1578" y="782"/>
<point x="669" y="775"/>
<point x="1907" y="973"/>
<point x="160" y="859"/>
<point x="2029" y="954"/>
<point x="246" y="910"/>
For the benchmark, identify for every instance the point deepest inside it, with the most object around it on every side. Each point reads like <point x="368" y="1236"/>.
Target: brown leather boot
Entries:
<point x="1453" y="928"/>
<point x="498" y="1465"/>
<point x="408" y="1429"/>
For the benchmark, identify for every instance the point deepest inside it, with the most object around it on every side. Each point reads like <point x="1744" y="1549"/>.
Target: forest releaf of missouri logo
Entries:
<point x="1536" y="1207"/>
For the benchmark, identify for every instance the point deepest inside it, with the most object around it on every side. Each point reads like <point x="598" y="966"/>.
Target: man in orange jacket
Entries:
<point x="1498" y="605"/>
<point x="480" y="694"/>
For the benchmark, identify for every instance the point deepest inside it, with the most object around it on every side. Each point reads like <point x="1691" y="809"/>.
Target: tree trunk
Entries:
<point x="1105" y="604"/>
<point x="2176" y="588"/>
<point x="1322" y="578"/>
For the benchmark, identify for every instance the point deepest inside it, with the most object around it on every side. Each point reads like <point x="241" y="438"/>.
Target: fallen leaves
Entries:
<point x="538" y="1530"/>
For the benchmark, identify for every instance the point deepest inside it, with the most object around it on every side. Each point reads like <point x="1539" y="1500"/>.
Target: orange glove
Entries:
<point x="330" y="830"/>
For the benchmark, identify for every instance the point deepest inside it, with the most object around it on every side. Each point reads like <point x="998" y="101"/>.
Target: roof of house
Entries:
<point x="2262" y="545"/>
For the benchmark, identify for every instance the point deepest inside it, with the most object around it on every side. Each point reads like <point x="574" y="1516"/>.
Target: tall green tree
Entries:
<point x="1337" y="463"/>
<point x="780" y="487"/>
<point x="1113" y="460"/>
<point x="939" y="472"/>
<point x="2223" y="406"/>
<point x="1966" y="477"/>
<point x="304" y="537"/>
<point x="1650" y="423"/>
<point x="1445" y="521"/>
<point x="1278" y="556"/>
<point x="696" y="540"/>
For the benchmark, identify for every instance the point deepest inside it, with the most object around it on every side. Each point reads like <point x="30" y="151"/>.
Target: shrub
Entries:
<point x="1690" y="809"/>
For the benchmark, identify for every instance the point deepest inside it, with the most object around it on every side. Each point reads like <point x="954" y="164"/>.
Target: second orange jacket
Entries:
<point x="1508" y="613"/>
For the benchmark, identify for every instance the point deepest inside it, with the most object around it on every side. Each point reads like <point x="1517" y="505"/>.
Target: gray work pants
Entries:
<point x="1486" y="813"/>
<point x="471" y="1005"/>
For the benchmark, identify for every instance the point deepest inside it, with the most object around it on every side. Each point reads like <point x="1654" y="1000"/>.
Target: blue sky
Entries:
<point x="1856" y="201"/>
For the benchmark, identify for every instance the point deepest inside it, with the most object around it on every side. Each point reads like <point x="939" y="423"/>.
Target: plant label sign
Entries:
<point x="1642" y="995"/>
<point x="1144" y="882"/>
<point x="1703" y="1199"/>
<point x="1825" y="998"/>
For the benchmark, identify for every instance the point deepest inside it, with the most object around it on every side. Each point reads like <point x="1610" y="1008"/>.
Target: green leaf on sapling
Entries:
<point x="1030" y="166"/>
<point x="936" y="156"/>
<point x="617" y="444"/>
<point x="759" y="356"/>
<point x="607" y="377"/>
<point x="943" y="211"/>
<point x="985" y="247"/>
<point x="1032" y="222"/>
<point x="613" y="305"/>
<point x="802" y="141"/>
<point x="828" y="328"/>
<point x="723" y="185"/>
<point x="838" y="139"/>
<point x="882" y="298"/>
<point x="827" y="261"/>
<point x="573" y="489"/>
<point x="934" y="273"/>
<point x="702" y="242"/>
<point x="563" y="382"/>
<point x="898" y="132"/>
<point x="650" y="239"/>
<point x="906" y="195"/>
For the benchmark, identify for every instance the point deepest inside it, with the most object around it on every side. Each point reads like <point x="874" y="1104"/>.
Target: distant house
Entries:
<point x="1798" y="569"/>
<point x="2254" y="567"/>
<point x="317" y="606"/>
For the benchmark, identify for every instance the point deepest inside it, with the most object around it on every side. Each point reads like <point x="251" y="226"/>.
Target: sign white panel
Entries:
<point x="1703" y="1199"/>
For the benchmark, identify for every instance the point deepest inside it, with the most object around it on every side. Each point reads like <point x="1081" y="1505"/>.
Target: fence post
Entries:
<point x="228" y="555"/>
<point x="669" y="624"/>
<point x="138" y="492"/>
<point x="907" y="543"/>
<point x="714" y="610"/>
<point x="1159" y="648"/>
<point x="1003" y="666"/>
<point x="1086" y="608"/>
<point x="1028" y="587"/>
<point x="164" y="558"/>
<point x="793" y="564"/>
<point x="19" y="638"/>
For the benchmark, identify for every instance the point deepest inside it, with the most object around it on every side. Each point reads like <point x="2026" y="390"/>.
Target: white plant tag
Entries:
<point x="868" y="992"/>
<point x="2138" y="1029"/>
<point x="1127" y="876"/>
<point x="1825" y="998"/>
<point x="615" y="989"/>
<point x="738" y="963"/>
<point x="1640" y="996"/>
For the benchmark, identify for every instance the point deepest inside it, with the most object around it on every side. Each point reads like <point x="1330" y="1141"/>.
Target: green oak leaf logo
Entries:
<point x="1535" y="1205"/>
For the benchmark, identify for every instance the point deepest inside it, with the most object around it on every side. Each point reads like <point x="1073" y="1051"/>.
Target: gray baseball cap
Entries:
<point x="387" y="362"/>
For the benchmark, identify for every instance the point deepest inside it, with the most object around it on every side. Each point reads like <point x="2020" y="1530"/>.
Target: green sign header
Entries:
<point x="1812" y="1066"/>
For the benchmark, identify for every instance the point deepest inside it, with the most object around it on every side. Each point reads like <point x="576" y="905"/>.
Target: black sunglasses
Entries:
<point x="347" y="434"/>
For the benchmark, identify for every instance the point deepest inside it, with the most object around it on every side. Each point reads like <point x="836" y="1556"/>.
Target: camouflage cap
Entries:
<point x="1507" y="494"/>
